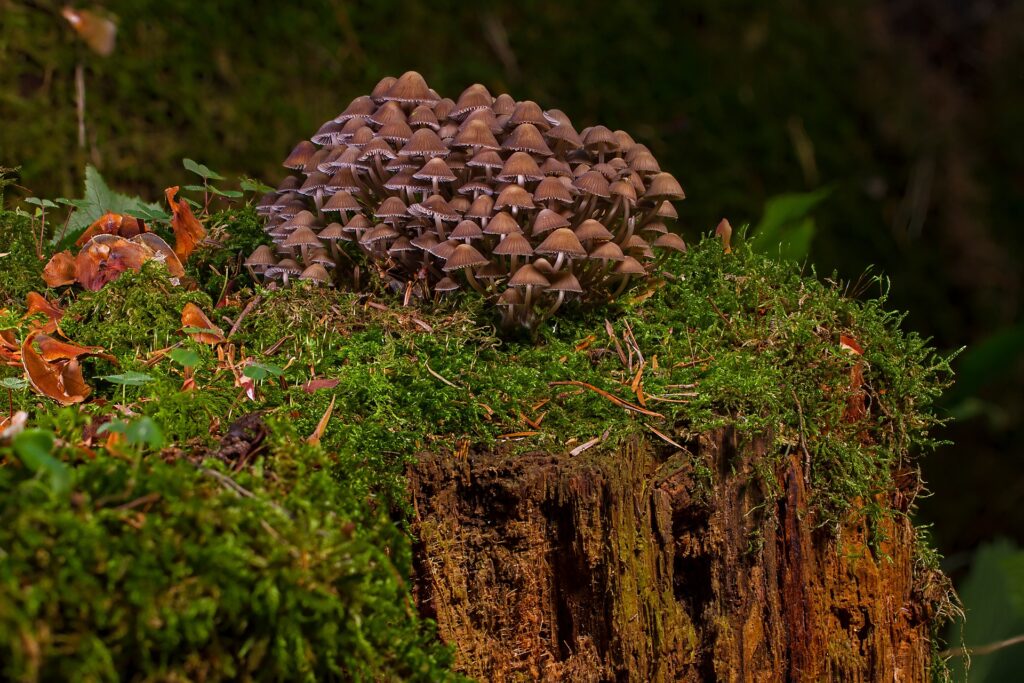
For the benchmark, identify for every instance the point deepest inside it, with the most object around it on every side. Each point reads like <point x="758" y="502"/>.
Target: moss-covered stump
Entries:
<point x="707" y="480"/>
<point x="619" y="566"/>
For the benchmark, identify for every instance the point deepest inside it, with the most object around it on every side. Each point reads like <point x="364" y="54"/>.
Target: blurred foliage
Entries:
<point x="993" y="600"/>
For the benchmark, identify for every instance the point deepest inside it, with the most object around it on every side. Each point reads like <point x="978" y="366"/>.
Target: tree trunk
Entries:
<point x="651" y="564"/>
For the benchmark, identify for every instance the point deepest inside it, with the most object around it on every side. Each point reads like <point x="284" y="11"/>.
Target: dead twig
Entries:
<point x="988" y="649"/>
<point x="611" y="397"/>
<point x="245" y="311"/>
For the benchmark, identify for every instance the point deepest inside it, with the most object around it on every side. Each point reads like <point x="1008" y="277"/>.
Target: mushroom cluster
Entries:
<point x="483" y="192"/>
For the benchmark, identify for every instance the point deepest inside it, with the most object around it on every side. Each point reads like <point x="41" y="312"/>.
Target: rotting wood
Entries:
<point x="626" y="566"/>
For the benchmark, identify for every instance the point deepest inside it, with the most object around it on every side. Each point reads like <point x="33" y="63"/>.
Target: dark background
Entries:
<point x="911" y="110"/>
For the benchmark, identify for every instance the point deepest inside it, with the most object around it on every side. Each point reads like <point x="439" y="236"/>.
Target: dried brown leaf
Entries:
<point x="61" y="270"/>
<point x="188" y="231"/>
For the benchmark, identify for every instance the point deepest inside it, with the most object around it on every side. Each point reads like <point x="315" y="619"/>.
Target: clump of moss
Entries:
<point x="20" y="268"/>
<point x="169" y="570"/>
<point x="139" y="311"/>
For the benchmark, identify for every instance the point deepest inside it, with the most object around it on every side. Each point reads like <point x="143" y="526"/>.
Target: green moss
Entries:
<point x="736" y="340"/>
<point x="20" y="268"/>
<point x="168" y="570"/>
<point x="138" y="312"/>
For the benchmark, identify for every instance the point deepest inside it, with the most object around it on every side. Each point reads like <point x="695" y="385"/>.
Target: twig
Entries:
<point x="584" y="446"/>
<point x="618" y="347"/>
<point x="245" y="311"/>
<point x="431" y="371"/>
<point x="691" y="363"/>
<point x="982" y="649"/>
<point x="664" y="437"/>
<point x="614" y="399"/>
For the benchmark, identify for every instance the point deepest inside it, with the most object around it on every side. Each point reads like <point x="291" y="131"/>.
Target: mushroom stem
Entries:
<point x="474" y="283"/>
<point x="551" y="311"/>
<point x="440" y="228"/>
<point x="622" y="287"/>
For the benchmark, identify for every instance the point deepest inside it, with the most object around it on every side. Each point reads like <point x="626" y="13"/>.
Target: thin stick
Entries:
<point x="982" y="649"/>
<point x="80" y="102"/>
<point x="431" y="371"/>
<point x="614" y="399"/>
<point x="245" y="311"/>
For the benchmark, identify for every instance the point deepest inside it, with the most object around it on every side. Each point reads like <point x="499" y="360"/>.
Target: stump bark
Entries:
<point x="653" y="564"/>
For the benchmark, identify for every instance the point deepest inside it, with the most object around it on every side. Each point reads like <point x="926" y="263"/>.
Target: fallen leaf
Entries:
<point x="317" y="384"/>
<point x="109" y="223"/>
<point x="61" y="380"/>
<point x="53" y="349"/>
<point x="321" y="426"/>
<point x="61" y="270"/>
<point x="37" y="303"/>
<point x="163" y="251"/>
<point x="105" y="257"/>
<point x="199" y="327"/>
<point x="188" y="231"/>
<point x="849" y="344"/>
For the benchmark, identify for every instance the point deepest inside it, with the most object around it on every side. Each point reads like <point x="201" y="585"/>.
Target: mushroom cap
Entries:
<point x="392" y="207"/>
<point x="607" y="251"/>
<point x="552" y="189"/>
<point x="300" y="155"/>
<point x="593" y="183"/>
<point x="548" y="220"/>
<point x="472" y="98"/>
<point x="528" y="111"/>
<point x="333" y="231"/>
<point x="670" y="240"/>
<point x="667" y="210"/>
<point x="303" y="237"/>
<point x="422" y="116"/>
<point x="664" y="186"/>
<point x="514" y="245"/>
<point x="565" y="282"/>
<point x="466" y="229"/>
<point x="502" y="223"/>
<point x="477" y="135"/>
<point x="482" y="207"/>
<point x="591" y="229"/>
<point x="424" y="142"/>
<point x="526" y="138"/>
<point x="446" y="284"/>
<point x="514" y="196"/>
<point x="520" y="164"/>
<point x="410" y="87"/>
<point x="437" y="169"/>
<point x="464" y="256"/>
<point x="562" y="241"/>
<point x="262" y="257"/>
<point x="528" y="276"/>
<point x="316" y="273"/>
<point x="435" y="206"/>
<point x="630" y="266"/>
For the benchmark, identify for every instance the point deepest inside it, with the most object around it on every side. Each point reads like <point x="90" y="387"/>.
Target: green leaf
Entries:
<point x="194" y="188"/>
<point x="34" y="447"/>
<point x="14" y="383"/>
<point x="225" y="193"/>
<point x="786" y="229"/>
<point x="253" y="185"/>
<point x="130" y="378"/>
<point x="98" y="200"/>
<point x="44" y="203"/>
<point x="987" y="362"/>
<point x="184" y="357"/>
<point x="990" y="594"/>
<point x="149" y="214"/>
<point x="260" y="371"/>
<point x="201" y="170"/>
<point x="145" y="432"/>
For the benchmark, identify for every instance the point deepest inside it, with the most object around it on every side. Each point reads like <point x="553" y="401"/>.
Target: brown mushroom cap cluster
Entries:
<point x="483" y="192"/>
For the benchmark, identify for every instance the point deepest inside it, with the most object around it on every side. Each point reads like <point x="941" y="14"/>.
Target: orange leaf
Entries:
<point x="105" y="257"/>
<point x="53" y="349"/>
<point x="158" y="246"/>
<point x="193" y="316"/>
<point x="112" y="224"/>
<point x="321" y="426"/>
<point x="61" y="270"/>
<point x="61" y="380"/>
<point x="37" y="303"/>
<point x="188" y="231"/>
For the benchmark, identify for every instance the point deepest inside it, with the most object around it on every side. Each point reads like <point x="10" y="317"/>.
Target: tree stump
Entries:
<point x="650" y="563"/>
